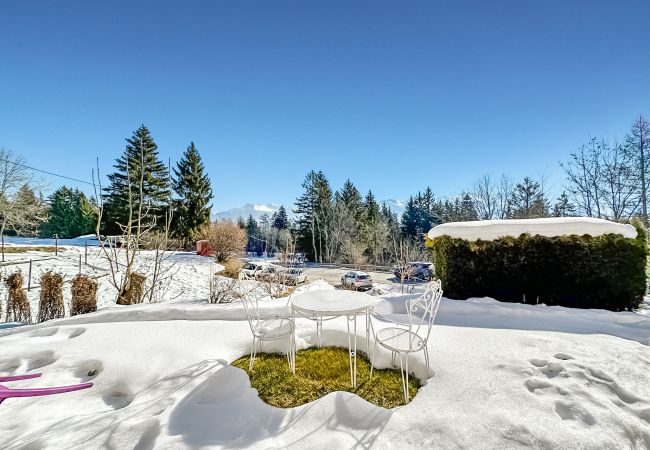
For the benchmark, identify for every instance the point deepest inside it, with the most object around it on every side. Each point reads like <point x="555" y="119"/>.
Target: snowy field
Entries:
<point x="502" y="376"/>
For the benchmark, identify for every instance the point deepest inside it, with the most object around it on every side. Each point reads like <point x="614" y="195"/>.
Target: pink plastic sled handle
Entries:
<point x="20" y="377"/>
<point x="6" y="392"/>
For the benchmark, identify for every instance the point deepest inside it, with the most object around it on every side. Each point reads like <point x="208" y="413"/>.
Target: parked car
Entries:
<point x="251" y="269"/>
<point x="270" y="273"/>
<point x="419" y="269"/>
<point x="357" y="280"/>
<point x="295" y="277"/>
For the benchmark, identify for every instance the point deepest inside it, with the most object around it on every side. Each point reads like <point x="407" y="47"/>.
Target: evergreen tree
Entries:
<point x="280" y="219"/>
<point x="241" y="223"/>
<point x="70" y="214"/>
<point x="528" y="200"/>
<point x="253" y="232"/>
<point x="563" y="207"/>
<point x="468" y="209"/>
<point x="30" y="213"/>
<point x="639" y="144"/>
<point x="139" y="161"/>
<point x="351" y="197"/>
<point x="192" y="186"/>
<point x="313" y="208"/>
<point x="410" y="219"/>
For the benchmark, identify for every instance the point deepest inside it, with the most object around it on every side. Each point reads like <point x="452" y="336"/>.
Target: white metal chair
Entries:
<point x="410" y="335"/>
<point x="269" y="328"/>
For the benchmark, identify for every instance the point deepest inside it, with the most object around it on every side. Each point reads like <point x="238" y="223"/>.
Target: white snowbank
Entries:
<point x="488" y="230"/>
<point x="502" y="376"/>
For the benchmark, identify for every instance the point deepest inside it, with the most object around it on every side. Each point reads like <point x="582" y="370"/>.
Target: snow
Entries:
<point x="552" y="226"/>
<point x="502" y="376"/>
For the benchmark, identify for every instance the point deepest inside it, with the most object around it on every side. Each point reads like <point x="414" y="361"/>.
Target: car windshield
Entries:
<point x="249" y="266"/>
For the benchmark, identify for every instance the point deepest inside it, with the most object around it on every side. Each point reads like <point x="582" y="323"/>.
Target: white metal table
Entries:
<point x="326" y="305"/>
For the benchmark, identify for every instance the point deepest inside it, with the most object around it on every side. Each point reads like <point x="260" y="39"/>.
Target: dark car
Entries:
<point x="419" y="269"/>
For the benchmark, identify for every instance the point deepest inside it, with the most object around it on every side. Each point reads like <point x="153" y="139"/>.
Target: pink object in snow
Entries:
<point x="6" y="392"/>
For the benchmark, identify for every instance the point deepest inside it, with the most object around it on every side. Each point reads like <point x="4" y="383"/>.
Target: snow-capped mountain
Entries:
<point x="249" y="209"/>
<point x="258" y="209"/>
<point x="397" y="206"/>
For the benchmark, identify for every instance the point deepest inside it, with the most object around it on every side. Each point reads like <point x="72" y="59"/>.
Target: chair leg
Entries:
<point x="406" y="383"/>
<point x="401" y="369"/>
<point x="372" y="358"/>
<point x="252" y="358"/>
<point x="392" y="360"/>
<point x="426" y="359"/>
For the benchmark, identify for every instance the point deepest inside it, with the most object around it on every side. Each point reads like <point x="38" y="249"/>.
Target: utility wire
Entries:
<point x="46" y="172"/>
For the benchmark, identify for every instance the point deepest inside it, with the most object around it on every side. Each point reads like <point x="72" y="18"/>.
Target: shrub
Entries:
<point x="575" y="271"/>
<point x="224" y="290"/>
<point x="226" y="239"/>
<point x="133" y="291"/>
<point x="232" y="267"/>
<point x="51" y="304"/>
<point x="84" y="295"/>
<point x="18" y="309"/>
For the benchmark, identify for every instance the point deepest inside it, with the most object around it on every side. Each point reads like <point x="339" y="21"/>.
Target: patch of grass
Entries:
<point x="320" y="371"/>
<point x="31" y="248"/>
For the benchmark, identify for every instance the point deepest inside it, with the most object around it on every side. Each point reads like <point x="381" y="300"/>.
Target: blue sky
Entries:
<point x="394" y="95"/>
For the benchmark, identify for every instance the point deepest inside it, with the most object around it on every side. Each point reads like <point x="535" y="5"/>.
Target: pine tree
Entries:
<point x="192" y="187"/>
<point x="528" y="200"/>
<point x="563" y="207"/>
<point x="313" y="208"/>
<point x="280" y="219"/>
<point x="253" y="231"/>
<point x="351" y="197"/>
<point x="410" y="219"/>
<point x="70" y="214"/>
<point x="140" y="160"/>
<point x="31" y="212"/>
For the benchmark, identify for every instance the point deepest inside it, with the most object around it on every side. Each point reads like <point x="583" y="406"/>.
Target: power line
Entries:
<point x="46" y="172"/>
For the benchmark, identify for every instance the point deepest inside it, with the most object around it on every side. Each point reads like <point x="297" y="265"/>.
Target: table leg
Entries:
<point x="350" y="349"/>
<point x="354" y="382"/>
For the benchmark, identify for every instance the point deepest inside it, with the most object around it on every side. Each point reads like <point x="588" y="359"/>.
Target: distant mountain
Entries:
<point x="257" y="210"/>
<point x="249" y="209"/>
<point x="397" y="206"/>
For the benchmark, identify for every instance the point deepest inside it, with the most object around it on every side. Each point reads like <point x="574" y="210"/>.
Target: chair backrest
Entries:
<point x="422" y="310"/>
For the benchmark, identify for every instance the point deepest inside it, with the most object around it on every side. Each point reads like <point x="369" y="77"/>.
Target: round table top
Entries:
<point x="332" y="303"/>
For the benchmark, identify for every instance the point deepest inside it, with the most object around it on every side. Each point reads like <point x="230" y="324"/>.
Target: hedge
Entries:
<point x="607" y="272"/>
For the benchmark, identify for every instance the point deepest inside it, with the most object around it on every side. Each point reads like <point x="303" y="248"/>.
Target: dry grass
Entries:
<point x="320" y="371"/>
<point x="34" y="248"/>
<point x="133" y="291"/>
<point x="18" y="309"/>
<point x="51" y="303"/>
<point x="84" y="295"/>
<point x="231" y="268"/>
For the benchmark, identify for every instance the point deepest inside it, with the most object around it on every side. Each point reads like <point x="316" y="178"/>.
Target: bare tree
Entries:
<point x="405" y="252"/>
<point x="584" y="177"/>
<point x="20" y="210"/>
<point x="485" y="197"/>
<point x="620" y="193"/>
<point x="505" y="190"/>
<point x="639" y="145"/>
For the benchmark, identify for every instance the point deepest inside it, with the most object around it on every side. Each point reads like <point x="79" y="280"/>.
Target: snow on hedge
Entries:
<point x="488" y="230"/>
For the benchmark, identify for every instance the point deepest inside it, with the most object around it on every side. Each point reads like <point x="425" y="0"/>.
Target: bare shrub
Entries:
<point x="18" y="309"/>
<point x="133" y="290"/>
<point x="84" y="295"/>
<point x="232" y="267"/>
<point x="51" y="303"/>
<point x="224" y="290"/>
<point x="226" y="239"/>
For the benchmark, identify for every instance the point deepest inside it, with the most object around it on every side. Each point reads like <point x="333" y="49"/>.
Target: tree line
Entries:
<point x="603" y="179"/>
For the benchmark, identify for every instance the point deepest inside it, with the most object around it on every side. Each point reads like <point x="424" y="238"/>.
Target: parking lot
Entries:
<point x="333" y="275"/>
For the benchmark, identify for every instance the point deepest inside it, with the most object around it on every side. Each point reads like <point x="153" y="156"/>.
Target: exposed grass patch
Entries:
<point x="320" y="371"/>
<point x="32" y="248"/>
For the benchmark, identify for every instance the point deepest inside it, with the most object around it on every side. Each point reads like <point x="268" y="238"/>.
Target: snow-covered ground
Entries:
<point x="502" y="376"/>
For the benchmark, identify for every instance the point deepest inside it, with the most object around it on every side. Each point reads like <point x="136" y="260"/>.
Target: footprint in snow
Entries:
<point x="118" y="396"/>
<point x="41" y="359"/>
<point x="44" y="332"/>
<point x="563" y="356"/>
<point x="9" y="365"/>
<point x="88" y="369"/>
<point x="76" y="332"/>
<point x="574" y="411"/>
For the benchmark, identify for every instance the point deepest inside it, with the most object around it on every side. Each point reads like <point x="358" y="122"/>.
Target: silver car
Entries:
<point x="356" y="280"/>
<point x="295" y="277"/>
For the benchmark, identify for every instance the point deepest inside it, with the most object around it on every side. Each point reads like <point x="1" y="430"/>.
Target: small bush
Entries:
<point x="226" y="239"/>
<point x="84" y="295"/>
<point x="224" y="290"/>
<point x="576" y="271"/>
<point x="18" y="309"/>
<point x="133" y="291"/>
<point x="232" y="267"/>
<point x="51" y="304"/>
